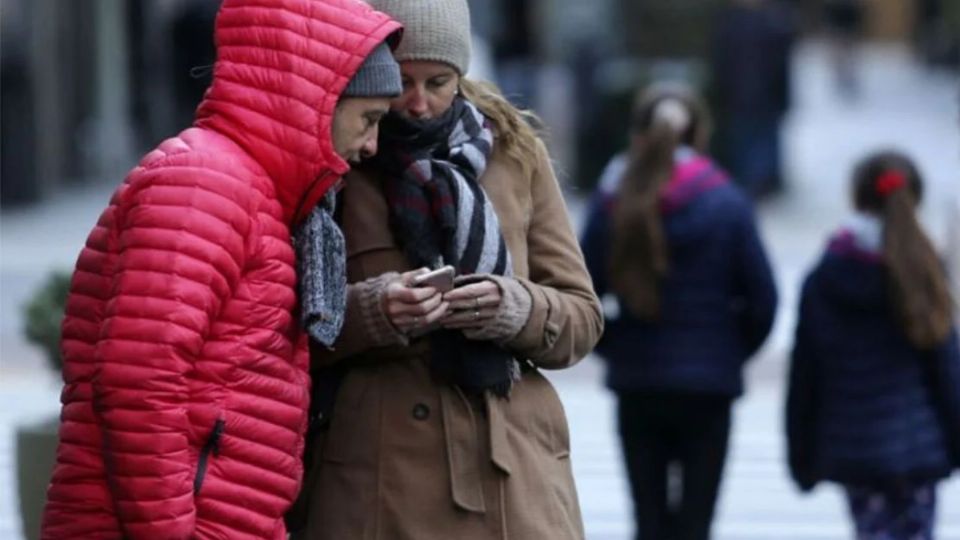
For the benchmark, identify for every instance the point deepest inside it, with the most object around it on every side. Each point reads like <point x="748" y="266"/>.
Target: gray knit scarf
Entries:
<point x="321" y="266"/>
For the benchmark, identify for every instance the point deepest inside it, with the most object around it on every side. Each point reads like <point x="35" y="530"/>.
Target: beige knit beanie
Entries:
<point x="437" y="30"/>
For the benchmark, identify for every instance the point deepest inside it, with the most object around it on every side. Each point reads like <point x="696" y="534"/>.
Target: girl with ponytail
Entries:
<point x="675" y="244"/>
<point x="874" y="398"/>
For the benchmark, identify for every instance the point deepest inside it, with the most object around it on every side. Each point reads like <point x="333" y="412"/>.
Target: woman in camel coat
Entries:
<point x="405" y="446"/>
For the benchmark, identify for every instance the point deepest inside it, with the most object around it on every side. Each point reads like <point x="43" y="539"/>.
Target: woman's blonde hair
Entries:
<point x="516" y="130"/>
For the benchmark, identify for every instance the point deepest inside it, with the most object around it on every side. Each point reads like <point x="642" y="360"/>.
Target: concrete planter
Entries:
<point x="36" y="454"/>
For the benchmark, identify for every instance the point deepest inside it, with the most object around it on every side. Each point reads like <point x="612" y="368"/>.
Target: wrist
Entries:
<point x="373" y="312"/>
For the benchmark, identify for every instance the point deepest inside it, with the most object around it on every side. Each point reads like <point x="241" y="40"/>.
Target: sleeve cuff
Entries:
<point x="373" y="318"/>
<point x="512" y="314"/>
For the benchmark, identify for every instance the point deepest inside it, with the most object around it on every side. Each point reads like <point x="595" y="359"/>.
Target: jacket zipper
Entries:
<point x="211" y="446"/>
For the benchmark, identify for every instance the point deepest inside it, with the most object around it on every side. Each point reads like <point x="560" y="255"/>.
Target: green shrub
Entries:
<point x="43" y="315"/>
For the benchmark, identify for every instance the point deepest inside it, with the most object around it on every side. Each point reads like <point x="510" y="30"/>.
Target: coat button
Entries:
<point x="421" y="411"/>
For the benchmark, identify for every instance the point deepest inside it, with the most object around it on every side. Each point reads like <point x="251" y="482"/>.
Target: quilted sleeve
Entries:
<point x="946" y="392"/>
<point x="595" y="243"/>
<point x="756" y="283"/>
<point x="953" y="249"/>
<point x="179" y="247"/>
<point x="803" y="396"/>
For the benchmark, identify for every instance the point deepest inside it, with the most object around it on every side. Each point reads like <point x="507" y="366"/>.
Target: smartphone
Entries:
<point x="440" y="279"/>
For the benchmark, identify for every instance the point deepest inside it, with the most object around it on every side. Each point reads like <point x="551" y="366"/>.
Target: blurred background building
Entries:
<point x="88" y="85"/>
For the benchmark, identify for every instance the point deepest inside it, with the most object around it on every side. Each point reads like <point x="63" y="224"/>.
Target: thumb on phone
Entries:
<point x="408" y="277"/>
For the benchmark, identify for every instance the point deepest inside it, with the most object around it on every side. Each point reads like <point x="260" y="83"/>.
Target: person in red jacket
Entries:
<point x="184" y="341"/>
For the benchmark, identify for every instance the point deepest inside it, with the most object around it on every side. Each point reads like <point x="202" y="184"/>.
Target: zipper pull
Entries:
<point x="218" y="429"/>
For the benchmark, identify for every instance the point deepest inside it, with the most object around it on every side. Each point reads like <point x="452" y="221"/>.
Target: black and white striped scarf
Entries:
<point x="438" y="208"/>
<point x="441" y="215"/>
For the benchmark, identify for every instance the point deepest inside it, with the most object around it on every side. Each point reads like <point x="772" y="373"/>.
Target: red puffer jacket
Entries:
<point x="185" y="372"/>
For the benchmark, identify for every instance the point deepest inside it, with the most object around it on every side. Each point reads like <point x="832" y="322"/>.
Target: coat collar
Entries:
<point x="693" y="174"/>
<point x="861" y="237"/>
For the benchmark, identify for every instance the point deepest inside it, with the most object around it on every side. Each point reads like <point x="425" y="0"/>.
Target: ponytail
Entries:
<point x="889" y="185"/>
<point x="639" y="258"/>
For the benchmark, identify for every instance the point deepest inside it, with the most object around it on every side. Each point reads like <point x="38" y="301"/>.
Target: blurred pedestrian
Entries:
<point x="844" y="20"/>
<point x="514" y="50"/>
<point x="185" y="368"/>
<point x="751" y="80"/>
<point x="936" y="32"/>
<point x="874" y="396"/>
<point x="676" y="244"/>
<point x="953" y="249"/>
<point x="442" y="425"/>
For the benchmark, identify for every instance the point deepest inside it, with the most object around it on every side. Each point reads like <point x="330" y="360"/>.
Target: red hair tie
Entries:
<point x="890" y="181"/>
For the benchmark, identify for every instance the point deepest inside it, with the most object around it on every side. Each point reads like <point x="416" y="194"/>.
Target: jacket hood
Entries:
<point x="281" y="67"/>
<point x="853" y="274"/>
<point x="694" y="176"/>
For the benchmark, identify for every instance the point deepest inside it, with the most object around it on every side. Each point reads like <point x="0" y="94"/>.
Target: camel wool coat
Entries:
<point x="408" y="457"/>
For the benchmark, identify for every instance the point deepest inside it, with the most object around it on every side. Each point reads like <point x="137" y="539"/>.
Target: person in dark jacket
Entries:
<point x="845" y="21"/>
<point x="751" y="78"/>
<point x="874" y="397"/>
<point x="675" y="243"/>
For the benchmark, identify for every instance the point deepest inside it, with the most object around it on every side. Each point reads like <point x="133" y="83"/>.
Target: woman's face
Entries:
<point x="428" y="89"/>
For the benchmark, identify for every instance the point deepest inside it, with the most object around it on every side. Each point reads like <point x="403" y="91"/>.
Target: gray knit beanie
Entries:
<point x="378" y="76"/>
<point x="437" y="30"/>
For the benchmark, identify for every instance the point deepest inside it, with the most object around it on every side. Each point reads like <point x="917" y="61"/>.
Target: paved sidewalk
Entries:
<point x="758" y="501"/>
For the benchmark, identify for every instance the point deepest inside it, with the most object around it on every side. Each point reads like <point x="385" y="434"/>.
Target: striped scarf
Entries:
<point x="438" y="208"/>
<point x="441" y="215"/>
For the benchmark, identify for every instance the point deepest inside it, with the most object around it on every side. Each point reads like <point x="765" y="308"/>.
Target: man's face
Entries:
<point x="355" y="122"/>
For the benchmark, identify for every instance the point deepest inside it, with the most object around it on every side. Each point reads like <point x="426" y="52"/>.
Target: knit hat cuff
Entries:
<point x="458" y="60"/>
<point x="434" y="30"/>
<point x="378" y="76"/>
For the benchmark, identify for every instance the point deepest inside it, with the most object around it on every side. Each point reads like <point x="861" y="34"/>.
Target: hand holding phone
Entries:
<point x="440" y="279"/>
<point x="474" y="302"/>
<point x="424" y="317"/>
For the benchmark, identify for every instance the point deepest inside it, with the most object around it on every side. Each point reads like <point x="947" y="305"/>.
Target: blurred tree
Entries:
<point x="43" y="315"/>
